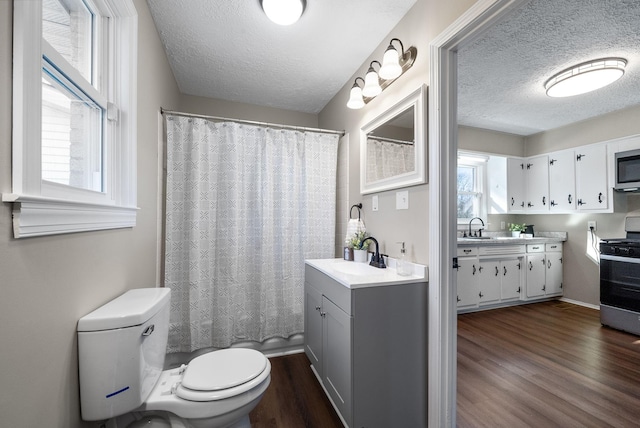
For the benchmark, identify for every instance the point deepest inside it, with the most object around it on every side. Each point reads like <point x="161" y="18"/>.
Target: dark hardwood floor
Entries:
<point x="294" y="398"/>
<point x="546" y="365"/>
<point x="541" y="365"/>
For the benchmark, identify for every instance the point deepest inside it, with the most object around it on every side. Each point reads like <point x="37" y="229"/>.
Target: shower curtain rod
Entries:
<point x="391" y="140"/>
<point x="250" y="122"/>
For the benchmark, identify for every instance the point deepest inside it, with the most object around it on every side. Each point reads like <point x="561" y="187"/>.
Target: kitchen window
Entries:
<point x="471" y="187"/>
<point x="74" y="116"/>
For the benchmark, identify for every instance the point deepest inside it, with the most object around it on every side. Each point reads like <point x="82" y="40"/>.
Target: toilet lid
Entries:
<point x="223" y="369"/>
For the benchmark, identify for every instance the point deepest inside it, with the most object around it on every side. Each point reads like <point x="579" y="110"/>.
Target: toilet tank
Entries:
<point x="121" y="351"/>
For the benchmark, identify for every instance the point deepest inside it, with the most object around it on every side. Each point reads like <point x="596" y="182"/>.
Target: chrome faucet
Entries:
<point x="479" y="230"/>
<point x="377" y="260"/>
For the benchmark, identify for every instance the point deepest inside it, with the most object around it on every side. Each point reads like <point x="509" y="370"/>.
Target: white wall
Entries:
<point x="47" y="283"/>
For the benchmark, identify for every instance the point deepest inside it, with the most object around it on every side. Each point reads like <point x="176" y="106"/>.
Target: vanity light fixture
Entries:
<point x="394" y="64"/>
<point x="585" y="77"/>
<point x="355" y="98"/>
<point x="283" y="12"/>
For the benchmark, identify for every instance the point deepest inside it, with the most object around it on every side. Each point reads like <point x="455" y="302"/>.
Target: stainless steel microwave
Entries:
<point x="628" y="171"/>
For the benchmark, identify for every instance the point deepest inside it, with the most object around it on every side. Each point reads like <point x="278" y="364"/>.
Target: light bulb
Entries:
<point x="355" y="99"/>
<point x="371" y="84"/>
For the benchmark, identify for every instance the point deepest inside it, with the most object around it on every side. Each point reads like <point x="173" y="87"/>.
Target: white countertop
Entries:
<point x="361" y="275"/>
<point x="543" y="238"/>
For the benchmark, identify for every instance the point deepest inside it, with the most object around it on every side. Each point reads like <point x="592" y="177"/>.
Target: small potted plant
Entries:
<point x="517" y="229"/>
<point x="357" y="242"/>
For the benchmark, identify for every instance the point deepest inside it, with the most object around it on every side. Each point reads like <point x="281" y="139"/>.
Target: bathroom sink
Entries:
<point x="353" y="268"/>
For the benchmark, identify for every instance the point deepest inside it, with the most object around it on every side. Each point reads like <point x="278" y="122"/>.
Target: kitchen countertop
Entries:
<point x="540" y="238"/>
<point x="361" y="275"/>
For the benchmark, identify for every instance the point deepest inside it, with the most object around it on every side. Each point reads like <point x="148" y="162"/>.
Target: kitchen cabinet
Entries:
<point x="467" y="278"/>
<point x="562" y="181"/>
<point x="592" y="191"/>
<point x="372" y="359"/>
<point x="543" y="270"/>
<point x="489" y="281"/>
<point x="537" y="184"/>
<point x="515" y="185"/>
<point x="511" y="283"/>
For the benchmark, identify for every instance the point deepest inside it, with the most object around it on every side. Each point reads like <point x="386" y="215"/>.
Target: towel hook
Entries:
<point x="358" y="206"/>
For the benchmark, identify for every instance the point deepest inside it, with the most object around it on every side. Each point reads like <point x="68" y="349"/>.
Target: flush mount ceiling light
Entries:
<point x="283" y="12"/>
<point x="393" y="65"/>
<point x="585" y="77"/>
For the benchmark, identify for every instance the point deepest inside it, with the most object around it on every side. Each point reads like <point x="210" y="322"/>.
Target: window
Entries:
<point x="471" y="186"/>
<point x="74" y="110"/>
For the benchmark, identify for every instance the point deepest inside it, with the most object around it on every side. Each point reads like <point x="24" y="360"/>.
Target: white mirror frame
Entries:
<point x="419" y="175"/>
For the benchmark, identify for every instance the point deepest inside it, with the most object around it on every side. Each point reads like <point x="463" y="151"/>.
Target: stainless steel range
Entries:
<point x="620" y="279"/>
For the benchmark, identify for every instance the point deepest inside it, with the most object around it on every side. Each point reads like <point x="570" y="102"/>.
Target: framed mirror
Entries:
<point x="392" y="147"/>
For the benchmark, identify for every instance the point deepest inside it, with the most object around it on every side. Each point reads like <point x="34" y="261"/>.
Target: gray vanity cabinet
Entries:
<point x="372" y="363"/>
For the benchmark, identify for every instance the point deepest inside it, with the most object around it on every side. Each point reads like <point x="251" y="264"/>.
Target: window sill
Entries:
<point x="38" y="216"/>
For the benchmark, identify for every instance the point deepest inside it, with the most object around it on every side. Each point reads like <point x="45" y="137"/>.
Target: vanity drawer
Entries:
<point x="467" y="251"/>
<point x="535" y="248"/>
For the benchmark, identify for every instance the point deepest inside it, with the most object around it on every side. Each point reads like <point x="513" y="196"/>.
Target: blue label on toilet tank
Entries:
<point x="117" y="392"/>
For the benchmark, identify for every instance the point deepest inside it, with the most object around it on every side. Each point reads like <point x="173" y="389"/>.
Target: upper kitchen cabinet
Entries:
<point x="537" y="184"/>
<point x="592" y="190"/>
<point x="515" y="185"/>
<point x="562" y="183"/>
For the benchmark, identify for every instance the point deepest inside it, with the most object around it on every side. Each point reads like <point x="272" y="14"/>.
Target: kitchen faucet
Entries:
<point x="479" y="230"/>
<point x="377" y="260"/>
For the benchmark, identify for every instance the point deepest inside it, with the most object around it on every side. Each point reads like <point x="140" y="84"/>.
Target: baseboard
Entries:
<point x="577" y="302"/>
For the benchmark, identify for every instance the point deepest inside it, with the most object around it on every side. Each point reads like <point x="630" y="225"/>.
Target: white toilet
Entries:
<point x="121" y="352"/>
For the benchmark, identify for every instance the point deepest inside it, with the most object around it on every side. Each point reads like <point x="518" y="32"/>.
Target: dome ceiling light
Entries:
<point x="283" y="12"/>
<point x="585" y="77"/>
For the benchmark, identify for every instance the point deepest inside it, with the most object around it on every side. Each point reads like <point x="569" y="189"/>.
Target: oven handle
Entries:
<point x="619" y="259"/>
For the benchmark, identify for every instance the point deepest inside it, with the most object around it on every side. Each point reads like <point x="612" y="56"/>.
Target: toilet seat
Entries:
<point x="222" y="374"/>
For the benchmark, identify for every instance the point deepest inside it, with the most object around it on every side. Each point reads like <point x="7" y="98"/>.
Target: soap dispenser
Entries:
<point x="403" y="266"/>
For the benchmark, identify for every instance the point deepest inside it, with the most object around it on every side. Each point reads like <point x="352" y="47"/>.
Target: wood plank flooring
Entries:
<point x="541" y="365"/>
<point x="546" y="365"/>
<point x="294" y="398"/>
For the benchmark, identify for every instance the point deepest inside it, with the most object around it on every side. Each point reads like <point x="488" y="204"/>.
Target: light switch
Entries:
<point x="374" y="203"/>
<point x="402" y="200"/>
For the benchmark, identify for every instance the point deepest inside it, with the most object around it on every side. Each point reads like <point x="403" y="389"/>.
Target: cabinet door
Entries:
<point x="313" y="327"/>
<point x="515" y="185"/>
<point x="535" y="272"/>
<point x="489" y="279"/>
<point x="554" y="273"/>
<point x="537" y="184"/>
<point x="467" y="282"/>
<point x="511" y="283"/>
<point x="562" y="182"/>
<point x="337" y="356"/>
<point x="591" y="178"/>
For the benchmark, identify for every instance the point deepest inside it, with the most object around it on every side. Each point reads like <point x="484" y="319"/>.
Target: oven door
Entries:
<point x="620" y="282"/>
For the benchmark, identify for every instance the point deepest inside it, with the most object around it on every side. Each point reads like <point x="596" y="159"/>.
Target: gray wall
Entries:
<point x="419" y="27"/>
<point x="47" y="283"/>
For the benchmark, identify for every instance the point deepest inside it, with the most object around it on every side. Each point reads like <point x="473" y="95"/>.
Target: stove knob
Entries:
<point x="616" y="250"/>
<point x="630" y="252"/>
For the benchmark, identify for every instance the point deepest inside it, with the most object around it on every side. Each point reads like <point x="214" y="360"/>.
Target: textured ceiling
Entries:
<point x="502" y="74"/>
<point x="228" y="49"/>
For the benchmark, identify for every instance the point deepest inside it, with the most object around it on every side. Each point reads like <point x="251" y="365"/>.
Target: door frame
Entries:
<point x="443" y="146"/>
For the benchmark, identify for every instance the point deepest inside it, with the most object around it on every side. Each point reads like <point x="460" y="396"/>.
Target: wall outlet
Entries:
<point x="374" y="203"/>
<point x="591" y="225"/>
<point x="502" y="225"/>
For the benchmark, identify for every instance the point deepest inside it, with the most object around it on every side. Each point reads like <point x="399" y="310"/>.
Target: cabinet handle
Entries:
<point x="474" y="270"/>
<point x="549" y="264"/>
<point x="544" y="200"/>
<point x="519" y="289"/>
<point x="530" y="266"/>
<point x="519" y="267"/>
<point x="600" y="197"/>
<point x="553" y="203"/>
<point x="552" y="161"/>
<point x="570" y="199"/>
<point x="497" y="271"/>
<point x="560" y="260"/>
<point x="513" y="201"/>
<point x="581" y="203"/>
<point x="544" y="262"/>
<point x="529" y="204"/>
<point x="579" y="157"/>
<point x="480" y="294"/>
<point x="504" y="273"/>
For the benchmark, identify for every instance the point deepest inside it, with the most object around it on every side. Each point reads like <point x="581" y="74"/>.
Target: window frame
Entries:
<point x="46" y="208"/>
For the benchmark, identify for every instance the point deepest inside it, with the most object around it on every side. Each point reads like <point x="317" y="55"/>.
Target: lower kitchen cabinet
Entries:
<point x="494" y="276"/>
<point x="368" y="349"/>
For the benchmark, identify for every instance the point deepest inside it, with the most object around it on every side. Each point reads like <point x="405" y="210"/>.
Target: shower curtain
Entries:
<point x="245" y="205"/>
